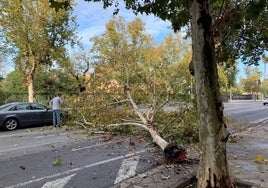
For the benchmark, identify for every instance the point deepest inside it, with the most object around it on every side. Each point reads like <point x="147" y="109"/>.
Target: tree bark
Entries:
<point x="29" y="71"/>
<point x="213" y="169"/>
<point x="29" y="78"/>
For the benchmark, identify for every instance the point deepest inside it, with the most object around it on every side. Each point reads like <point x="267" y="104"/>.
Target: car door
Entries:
<point x="43" y="115"/>
<point x="23" y="112"/>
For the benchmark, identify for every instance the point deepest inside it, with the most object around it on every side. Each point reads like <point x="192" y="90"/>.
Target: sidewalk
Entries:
<point x="242" y="154"/>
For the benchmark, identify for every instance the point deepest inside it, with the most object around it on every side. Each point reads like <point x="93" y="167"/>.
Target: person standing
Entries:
<point x="55" y="103"/>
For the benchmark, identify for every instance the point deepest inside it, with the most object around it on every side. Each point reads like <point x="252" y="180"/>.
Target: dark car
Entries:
<point x="21" y="114"/>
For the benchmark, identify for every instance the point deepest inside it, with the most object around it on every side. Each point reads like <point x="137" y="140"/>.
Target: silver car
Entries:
<point x="265" y="101"/>
<point x="21" y="114"/>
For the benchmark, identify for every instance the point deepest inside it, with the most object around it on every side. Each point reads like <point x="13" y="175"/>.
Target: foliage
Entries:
<point x="37" y="33"/>
<point x="79" y="67"/>
<point x="264" y="87"/>
<point x="237" y="89"/>
<point x="98" y="109"/>
<point x="57" y="161"/>
<point x="125" y="55"/>
<point x="251" y="83"/>
<point x="179" y="126"/>
<point x="237" y="27"/>
<point x="47" y="85"/>
<point x="55" y="81"/>
<point x="14" y="82"/>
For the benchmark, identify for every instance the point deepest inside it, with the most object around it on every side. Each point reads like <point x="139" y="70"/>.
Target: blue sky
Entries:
<point x="92" y="18"/>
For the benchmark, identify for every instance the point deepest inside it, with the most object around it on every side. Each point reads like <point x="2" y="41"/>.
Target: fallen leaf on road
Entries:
<point x="259" y="159"/>
<point x="57" y="161"/>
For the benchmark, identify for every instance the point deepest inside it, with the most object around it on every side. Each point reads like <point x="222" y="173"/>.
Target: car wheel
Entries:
<point x="11" y="124"/>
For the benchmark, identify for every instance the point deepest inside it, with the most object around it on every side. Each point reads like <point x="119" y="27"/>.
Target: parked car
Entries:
<point x="21" y="114"/>
<point x="265" y="101"/>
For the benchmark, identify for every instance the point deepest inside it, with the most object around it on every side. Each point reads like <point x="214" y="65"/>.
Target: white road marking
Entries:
<point x="67" y="172"/>
<point x="127" y="169"/>
<point x="58" y="183"/>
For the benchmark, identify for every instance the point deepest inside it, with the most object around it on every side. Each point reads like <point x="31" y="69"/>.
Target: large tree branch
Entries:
<point x="131" y="123"/>
<point x="138" y="112"/>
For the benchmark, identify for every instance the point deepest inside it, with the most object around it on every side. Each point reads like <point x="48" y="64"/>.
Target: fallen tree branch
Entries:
<point x="173" y="152"/>
<point x="130" y="120"/>
<point x="82" y="124"/>
<point x="85" y="121"/>
<point x="131" y="123"/>
<point x="117" y="102"/>
<point x="138" y="112"/>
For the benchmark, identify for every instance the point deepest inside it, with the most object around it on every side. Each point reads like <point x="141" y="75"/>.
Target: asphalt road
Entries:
<point x="250" y="111"/>
<point x="55" y="158"/>
<point x="48" y="158"/>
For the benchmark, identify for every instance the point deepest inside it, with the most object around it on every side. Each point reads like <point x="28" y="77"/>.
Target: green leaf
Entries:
<point x="57" y="161"/>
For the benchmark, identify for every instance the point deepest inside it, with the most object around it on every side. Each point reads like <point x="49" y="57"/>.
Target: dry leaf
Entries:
<point x="259" y="159"/>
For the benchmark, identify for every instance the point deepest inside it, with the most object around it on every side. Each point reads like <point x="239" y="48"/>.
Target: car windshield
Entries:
<point x="4" y="106"/>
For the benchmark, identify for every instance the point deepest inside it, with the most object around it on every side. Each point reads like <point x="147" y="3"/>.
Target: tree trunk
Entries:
<point x="29" y="78"/>
<point x="29" y="71"/>
<point x="213" y="169"/>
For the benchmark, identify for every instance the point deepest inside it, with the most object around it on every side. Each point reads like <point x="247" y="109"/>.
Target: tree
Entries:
<point x="213" y="168"/>
<point x="265" y="61"/>
<point x="264" y="87"/>
<point x="176" y="56"/>
<point x="38" y="34"/>
<point x="13" y="86"/>
<point x="251" y="84"/>
<point x="78" y="67"/>
<point x="129" y="69"/>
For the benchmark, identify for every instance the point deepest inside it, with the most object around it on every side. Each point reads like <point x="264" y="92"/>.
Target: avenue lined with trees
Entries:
<point x="124" y="69"/>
